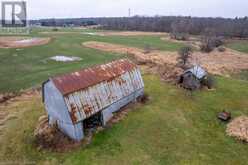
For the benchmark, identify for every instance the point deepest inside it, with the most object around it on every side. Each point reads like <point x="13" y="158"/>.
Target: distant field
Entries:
<point x="27" y="67"/>
<point x="241" y="46"/>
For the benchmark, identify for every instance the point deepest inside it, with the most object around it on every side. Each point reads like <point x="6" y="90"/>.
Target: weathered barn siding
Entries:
<point x="108" y="112"/>
<point x="72" y="98"/>
<point x="54" y="101"/>
<point x="85" y="103"/>
<point x="55" y="104"/>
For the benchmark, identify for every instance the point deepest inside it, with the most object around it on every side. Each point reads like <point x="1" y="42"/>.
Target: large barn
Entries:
<point x="72" y="100"/>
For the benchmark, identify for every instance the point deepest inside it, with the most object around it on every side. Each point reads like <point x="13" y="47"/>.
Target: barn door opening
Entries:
<point x="93" y="122"/>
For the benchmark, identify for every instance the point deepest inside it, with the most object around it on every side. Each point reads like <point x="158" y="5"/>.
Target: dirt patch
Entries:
<point x="22" y="42"/>
<point x="140" y="56"/>
<point x="238" y="128"/>
<point x="49" y="137"/>
<point x="217" y="63"/>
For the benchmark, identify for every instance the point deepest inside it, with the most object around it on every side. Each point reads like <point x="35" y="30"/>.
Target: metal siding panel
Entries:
<point x="94" y="99"/>
<point x="55" y="104"/>
<point x="75" y="131"/>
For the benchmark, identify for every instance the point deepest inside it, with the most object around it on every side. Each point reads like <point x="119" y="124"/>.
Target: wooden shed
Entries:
<point x="71" y="100"/>
<point x="191" y="79"/>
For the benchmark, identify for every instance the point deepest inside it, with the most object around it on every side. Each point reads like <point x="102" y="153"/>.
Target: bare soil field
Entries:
<point x="218" y="63"/>
<point x="22" y="42"/>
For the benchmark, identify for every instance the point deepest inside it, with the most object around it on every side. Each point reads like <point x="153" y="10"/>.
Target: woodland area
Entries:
<point x="227" y="27"/>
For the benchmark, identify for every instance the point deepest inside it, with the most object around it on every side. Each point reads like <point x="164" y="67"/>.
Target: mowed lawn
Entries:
<point x="174" y="127"/>
<point x="28" y="67"/>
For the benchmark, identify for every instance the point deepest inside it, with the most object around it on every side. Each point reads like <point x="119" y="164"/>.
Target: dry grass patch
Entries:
<point x="218" y="63"/>
<point x="22" y="42"/>
<point x="238" y="128"/>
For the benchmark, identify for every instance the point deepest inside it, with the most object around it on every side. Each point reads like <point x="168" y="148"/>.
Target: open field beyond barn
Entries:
<point x="174" y="127"/>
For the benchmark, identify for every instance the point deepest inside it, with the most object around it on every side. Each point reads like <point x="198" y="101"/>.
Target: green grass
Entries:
<point x="24" y="68"/>
<point x="241" y="46"/>
<point x="174" y="127"/>
<point x="243" y="75"/>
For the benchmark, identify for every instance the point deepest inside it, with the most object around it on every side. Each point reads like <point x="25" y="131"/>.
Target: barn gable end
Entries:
<point x="54" y="103"/>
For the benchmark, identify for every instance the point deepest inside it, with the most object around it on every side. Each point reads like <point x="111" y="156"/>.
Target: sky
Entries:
<point x="38" y="9"/>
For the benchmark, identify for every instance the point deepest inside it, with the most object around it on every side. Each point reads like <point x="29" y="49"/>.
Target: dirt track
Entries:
<point x="22" y="42"/>
<point x="218" y="63"/>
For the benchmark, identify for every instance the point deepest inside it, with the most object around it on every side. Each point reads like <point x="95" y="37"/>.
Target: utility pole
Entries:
<point x="129" y="12"/>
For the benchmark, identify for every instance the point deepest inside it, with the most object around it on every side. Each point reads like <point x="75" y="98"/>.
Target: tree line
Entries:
<point x="227" y="27"/>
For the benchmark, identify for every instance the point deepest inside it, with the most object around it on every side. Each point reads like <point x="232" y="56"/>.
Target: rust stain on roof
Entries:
<point x="82" y="79"/>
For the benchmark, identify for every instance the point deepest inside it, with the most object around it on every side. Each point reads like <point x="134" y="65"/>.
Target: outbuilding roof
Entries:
<point x="197" y="71"/>
<point x="82" y="79"/>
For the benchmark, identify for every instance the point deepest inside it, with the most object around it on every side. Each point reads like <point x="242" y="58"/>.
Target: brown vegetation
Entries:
<point x="49" y="137"/>
<point x="217" y="63"/>
<point x="22" y="42"/>
<point x="238" y="128"/>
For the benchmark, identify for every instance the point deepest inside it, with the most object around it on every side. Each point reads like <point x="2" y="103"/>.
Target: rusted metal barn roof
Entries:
<point x="82" y="79"/>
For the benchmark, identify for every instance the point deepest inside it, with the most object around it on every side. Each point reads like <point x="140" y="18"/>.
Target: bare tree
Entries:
<point x="184" y="55"/>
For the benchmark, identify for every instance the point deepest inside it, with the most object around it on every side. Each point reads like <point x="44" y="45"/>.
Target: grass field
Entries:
<point x="24" y="68"/>
<point x="174" y="127"/>
<point x="163" y="131"/>
<point x="241" y="46"/>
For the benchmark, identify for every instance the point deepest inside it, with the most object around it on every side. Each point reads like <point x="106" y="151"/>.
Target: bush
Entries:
<point x="206" y="47"/>
<point x="147" y="49"/>
<point x="217" y="41"/>
<point x="209" y="43"/>
<point x="55" y="29"/>
<point x="221" y="49"/>
<point x="179" y="36"/>
<point x="184" y="54"/>
<point x="209" y="82"/>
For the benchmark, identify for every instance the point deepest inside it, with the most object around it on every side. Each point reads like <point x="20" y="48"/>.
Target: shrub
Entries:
<point x="217" y="41"/>
<point x="221" y="49"/>
<point x="206" y="47"/>
<point x="55" y="29"/>
<point x="184" y="54"/>
<point x="179" y="36"/>
<point x="209" y="82"/>
<point x="147" y="49"/>
<point x="209" y="43"/>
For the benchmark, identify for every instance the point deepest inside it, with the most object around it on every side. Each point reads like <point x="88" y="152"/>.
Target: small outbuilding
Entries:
<point x="192" y="78"/>
<point x="90" y="96"/>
